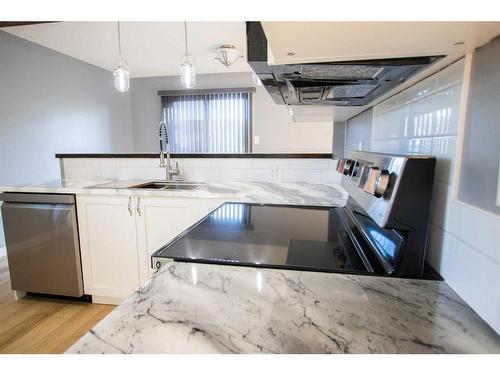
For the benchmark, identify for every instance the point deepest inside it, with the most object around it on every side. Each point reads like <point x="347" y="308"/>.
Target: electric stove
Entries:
<point x="382" y="230"/>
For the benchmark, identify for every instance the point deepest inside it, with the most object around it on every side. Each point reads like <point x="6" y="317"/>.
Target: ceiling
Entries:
<point x="150" y="48"/>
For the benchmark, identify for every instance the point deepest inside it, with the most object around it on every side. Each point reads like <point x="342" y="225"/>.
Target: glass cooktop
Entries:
<point x="274" y="236"/>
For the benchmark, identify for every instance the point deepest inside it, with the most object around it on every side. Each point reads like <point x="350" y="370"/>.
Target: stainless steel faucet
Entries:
<point x="165" y="148"/>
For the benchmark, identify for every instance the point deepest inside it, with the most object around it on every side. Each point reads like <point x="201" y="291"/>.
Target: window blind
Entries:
<point x="216" y="122"/>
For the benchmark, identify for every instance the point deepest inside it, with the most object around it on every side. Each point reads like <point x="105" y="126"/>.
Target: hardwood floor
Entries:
<point x="42" y="325"/>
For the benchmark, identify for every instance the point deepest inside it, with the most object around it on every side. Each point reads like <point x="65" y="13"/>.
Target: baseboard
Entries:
<point x="107" y="300"/>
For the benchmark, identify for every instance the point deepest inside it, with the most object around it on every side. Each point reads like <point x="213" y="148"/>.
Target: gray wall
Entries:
<point x="52" y="103"/>
<point x="359" y="131"/>
<point x="480" y="175"/>
<point x="271" y="122"/>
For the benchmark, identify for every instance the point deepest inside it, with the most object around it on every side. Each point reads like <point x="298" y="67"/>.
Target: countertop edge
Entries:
<point x="153" y="155"/>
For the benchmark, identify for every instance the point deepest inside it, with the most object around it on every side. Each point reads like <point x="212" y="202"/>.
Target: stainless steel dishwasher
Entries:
<point x="43" y="250"/>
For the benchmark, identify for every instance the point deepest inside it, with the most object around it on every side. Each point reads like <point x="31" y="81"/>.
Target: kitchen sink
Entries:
<point x="169" y="185"/>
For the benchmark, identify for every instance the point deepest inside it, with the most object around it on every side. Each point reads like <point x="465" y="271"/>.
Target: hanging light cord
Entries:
<point x="119" y="41"/>
<point x="186" y="36"/>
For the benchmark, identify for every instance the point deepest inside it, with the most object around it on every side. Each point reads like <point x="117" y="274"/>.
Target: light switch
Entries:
<point x="256" y="140"/>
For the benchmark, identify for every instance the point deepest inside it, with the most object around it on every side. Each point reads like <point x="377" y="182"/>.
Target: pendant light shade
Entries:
<point x="188" y="65"/>
<point x="188" y="71"/>
<point x="121" y="74"/>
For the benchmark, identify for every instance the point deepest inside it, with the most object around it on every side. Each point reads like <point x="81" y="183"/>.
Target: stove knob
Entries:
<point x="340" y="165"/>
<point x="381" y="183"/>
<point x="377" y="181"/>
<point x="348" y="166"/>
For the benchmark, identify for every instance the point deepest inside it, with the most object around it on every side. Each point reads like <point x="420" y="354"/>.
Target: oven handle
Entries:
<point x="354" y="241"/>
<point x="387" y="267"/>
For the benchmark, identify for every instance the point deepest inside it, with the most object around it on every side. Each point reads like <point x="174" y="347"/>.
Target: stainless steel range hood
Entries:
<point x="341" y="84"/>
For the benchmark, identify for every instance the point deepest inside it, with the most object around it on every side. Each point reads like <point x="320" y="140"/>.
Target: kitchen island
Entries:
<point x="200" y="308"/>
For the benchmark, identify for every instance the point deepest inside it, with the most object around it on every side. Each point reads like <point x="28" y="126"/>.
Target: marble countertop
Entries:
<point x="301" y="193"/>
<point x="200" y="308"/>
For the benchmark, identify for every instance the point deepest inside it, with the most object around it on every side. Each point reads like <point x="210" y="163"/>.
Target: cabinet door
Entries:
<point x="159" y="220"/>
<point x="202" y="207"/>
<point x="108" y="245"/>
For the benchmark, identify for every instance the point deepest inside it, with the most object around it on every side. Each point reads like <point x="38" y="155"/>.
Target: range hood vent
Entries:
<point x="339" y="72"/>
<point x="350" y="91"/>
<point x="348" y="83"/>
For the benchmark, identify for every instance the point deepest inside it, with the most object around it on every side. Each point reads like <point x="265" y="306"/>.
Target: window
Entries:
<point x="216" y="122"/>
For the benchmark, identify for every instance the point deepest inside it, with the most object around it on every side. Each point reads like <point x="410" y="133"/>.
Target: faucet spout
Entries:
<point x="165" y="149"/>
<point x="162" y="133"/>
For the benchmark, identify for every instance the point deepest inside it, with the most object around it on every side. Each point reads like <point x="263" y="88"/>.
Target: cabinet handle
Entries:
<point x="139" y="205"/>
<point x="130" y="205"/>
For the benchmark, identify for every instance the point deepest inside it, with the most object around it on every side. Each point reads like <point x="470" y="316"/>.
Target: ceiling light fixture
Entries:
<point x="227" y="54"/>
<point x="121" y="74"/>
<point x="188" y="65"/>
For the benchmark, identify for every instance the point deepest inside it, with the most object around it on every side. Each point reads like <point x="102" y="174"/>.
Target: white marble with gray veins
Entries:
<point x="200" y="308"/>
<point x="300" y="193"/>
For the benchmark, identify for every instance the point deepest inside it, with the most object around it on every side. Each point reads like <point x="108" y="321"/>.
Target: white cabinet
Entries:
<point x="307" y="42"/>
<point x="160" y="220"/>
<point x="108" y="243"/>
<point x="118" y="234"/>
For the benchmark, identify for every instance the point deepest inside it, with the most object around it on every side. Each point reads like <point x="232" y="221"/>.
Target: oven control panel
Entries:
<point x="372" y="179"/>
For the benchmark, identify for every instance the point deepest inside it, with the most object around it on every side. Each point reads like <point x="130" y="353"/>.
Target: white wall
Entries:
<point x="271" y="122"/>
<point x="463" y="241"/>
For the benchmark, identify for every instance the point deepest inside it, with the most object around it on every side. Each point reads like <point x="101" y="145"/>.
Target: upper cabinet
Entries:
<point x="305" y="42"/>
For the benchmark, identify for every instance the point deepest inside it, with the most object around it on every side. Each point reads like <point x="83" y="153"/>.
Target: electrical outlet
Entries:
<point x="256" y="140"/>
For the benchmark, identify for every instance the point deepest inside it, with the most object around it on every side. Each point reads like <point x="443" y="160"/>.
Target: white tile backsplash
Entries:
<point x="473" y="276"/>
<point x="477" y="229"/>
<point x="108" y="172"/>
<point x="309" y="163"/>
<point x="270" y="163"/>
<point x="261" y="174"/>
<point x="228" y="174"/>
<point x="131" y="172"/>
<point x="233" y="163"/>
<point x="197" y="163"/>
<point x="301" y="175"/>
<point x="463" y="241"/>
<point x="204" y="169"/>
<point x="195" y="174"/>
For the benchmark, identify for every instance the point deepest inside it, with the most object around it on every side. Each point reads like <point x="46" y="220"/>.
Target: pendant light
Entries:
<point x="121" y="73"/>
<point x="188" y="65"/>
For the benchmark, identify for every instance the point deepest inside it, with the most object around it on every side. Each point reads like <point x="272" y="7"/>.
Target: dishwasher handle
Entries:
<point x="37" y="198"/>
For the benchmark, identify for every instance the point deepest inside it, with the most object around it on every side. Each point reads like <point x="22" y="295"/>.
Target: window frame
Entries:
<point x="247" y="90"/>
